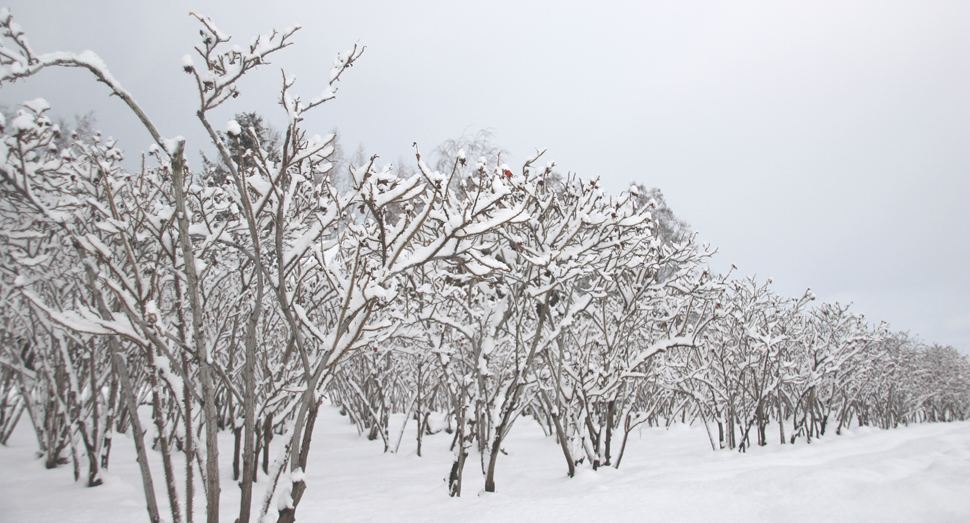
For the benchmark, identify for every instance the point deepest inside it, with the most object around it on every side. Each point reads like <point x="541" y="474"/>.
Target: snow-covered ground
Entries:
<point x="916" y="473"/>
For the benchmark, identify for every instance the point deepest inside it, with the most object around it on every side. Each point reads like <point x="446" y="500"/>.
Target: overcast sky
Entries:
<point x="825" y="145"/>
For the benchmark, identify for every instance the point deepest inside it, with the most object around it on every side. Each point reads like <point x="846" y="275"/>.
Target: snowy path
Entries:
<point x="919" y="473"/>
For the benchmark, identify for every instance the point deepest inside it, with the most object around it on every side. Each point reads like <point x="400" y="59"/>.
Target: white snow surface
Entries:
<point x="916" y="473"/>
<point x="233" y="128"/>
<point x="37" y="105"/>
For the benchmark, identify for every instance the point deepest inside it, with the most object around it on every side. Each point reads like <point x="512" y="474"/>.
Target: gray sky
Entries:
<point x="825" y="145"/>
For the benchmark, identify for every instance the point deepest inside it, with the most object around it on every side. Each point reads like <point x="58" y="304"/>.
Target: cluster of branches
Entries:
<point x="238" y="299"/>
<point x="771" y="360"/>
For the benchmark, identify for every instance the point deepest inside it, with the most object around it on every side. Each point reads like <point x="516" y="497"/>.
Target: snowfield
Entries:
<point x="915" y="473"/>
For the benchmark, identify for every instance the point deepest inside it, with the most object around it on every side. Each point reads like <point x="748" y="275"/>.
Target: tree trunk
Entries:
<point x="249" y="404"/>
<point x="236" y="449"/>
<point x="127" y="393"/>
<point x="781" y="422"/>
<point x="420" y="427"/>
<point x="503" y="425"/>
<point x="511" y="400"/>
<point x="173" y="499"/>
<point x="213" y="489"/>
<point x="560" y="434"/>
<point x="289" y="515"/>
<point x="464" y="437"/>
<point x="109" y="422"/>
<point x="267" y="437"/>
<point x="188" y="446"/>
<point x="609" y="430"/>
<point x="138" y="435"/>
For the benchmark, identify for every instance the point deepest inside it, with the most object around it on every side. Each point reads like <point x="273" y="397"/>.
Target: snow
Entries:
<point x="285" y="501"/>
<point x="198" y="229"/>
<point x="23" y="123"/>
<point x="212" y="27"/>
<point x="263" y="187"/>
<point x="233" y="128"/>
<point x="338" y="65"/>
<point x="172" y="144"/>
<point x="916" y="473"/>
<point x="327" y="94"/>
<point x="37" y="105"/>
